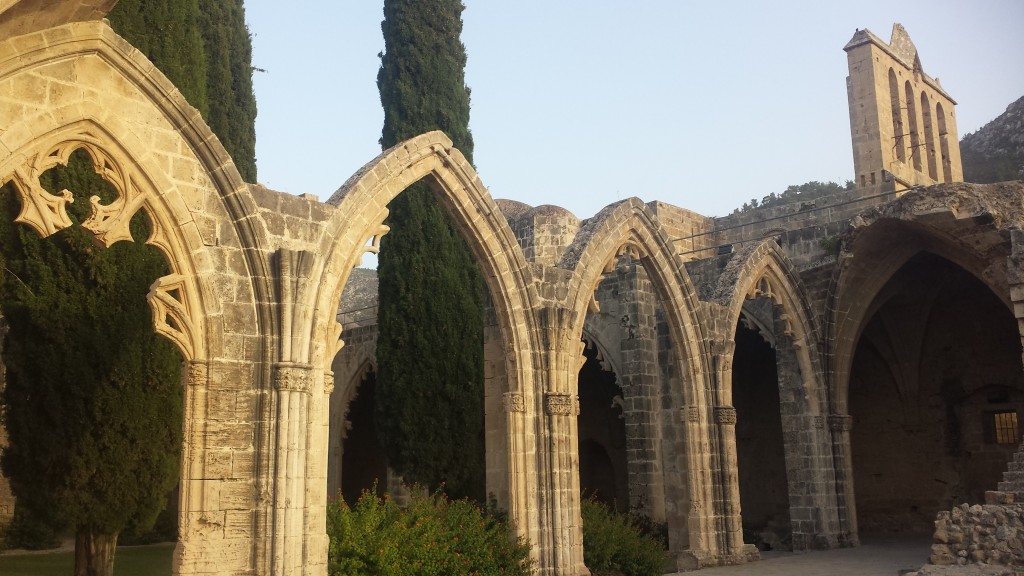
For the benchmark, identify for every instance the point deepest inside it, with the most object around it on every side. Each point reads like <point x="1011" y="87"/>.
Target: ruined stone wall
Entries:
<point x="807" y="230"/>
<point x="979" y="534"/>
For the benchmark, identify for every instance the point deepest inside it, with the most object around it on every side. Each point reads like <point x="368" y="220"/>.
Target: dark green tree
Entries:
<point x="92" y="400"/>
<point x="232" y="105"/>
<point x="430" y="331"/>
<point x="205" y="49"/>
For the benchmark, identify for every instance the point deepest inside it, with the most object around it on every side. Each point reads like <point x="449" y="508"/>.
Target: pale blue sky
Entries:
<point x="703" y="105"/>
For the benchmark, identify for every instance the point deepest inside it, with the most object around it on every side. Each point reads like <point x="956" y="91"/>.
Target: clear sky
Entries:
<point x="579" y="104"/>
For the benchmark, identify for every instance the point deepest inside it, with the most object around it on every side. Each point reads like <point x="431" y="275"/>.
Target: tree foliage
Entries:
<point x="204" y="48"/>
<point x="92" y="401"/>
<point x="806" y="192"/>
<point x="430" y="335"/>
<point x="431" y="535"/>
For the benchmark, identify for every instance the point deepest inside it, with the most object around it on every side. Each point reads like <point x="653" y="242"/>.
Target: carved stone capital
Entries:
<point x="328" y="382"/>
<point x="559" y="404"/>
<point x="513" y="402"/>
<point x="293" y="377"/>
<point x="198" y="374"/>
<point x="840" y="422"/>
<point x="723" y="347"/>
<point x="689" y="413"/>
<point x="819" y="422"/>
<point x="725" y="415"/>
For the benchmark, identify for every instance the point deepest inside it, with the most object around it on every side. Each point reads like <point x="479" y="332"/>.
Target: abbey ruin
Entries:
<point x="802" y="373"/>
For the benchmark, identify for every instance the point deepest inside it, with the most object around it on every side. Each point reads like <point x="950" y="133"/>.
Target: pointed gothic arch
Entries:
<point x="764" y="270"/>
<point x="79" y="86"/>
<point x="356" y="227"/>
<point x="629" y="228"/>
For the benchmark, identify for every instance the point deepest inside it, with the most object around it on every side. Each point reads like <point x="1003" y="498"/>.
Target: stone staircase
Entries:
<point x="1011" y="489"/>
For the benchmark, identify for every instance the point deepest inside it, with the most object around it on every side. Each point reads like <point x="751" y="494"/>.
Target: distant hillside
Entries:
<point x="995" y="153"/>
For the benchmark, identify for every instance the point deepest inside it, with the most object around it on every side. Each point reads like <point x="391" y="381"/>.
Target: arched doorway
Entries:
<point x="760" y="451"/>
<point x="935" y="390"/>
<point x="602" y="435"/>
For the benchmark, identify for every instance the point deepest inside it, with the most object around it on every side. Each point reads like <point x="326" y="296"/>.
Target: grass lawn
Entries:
<point x="129" y="561"/>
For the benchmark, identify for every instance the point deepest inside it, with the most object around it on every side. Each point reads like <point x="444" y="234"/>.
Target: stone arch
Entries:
<point x="896" y="111"/>
<point x="362" y="207"/>
<point x="178" y="300"/>
<point x="768" y="271"/>
<point x="80" y="86"/>
<point x="956" y="222"/>
<point x="929" y="135"/>
<point x="357" y="226"/>
<point x="629" y="228"/>
<point x="912" y="121"/>
<point x="869" y="264"/>
<point x="764" y="270"/>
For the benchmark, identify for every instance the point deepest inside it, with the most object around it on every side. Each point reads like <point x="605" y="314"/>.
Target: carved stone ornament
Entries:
<point x="689" y="413"/>
<point x="725" y="415"/>
<point x="293" y="377"/>
<point x="819" y="422"/>
<point x="328" y="383"/>
<point x="198" y="374"/>
<point x="840" y="422"/>
<point x="513" y="402"/>
<point x="169" y="297"/>
<point x="559" y="404"/>
<point x="171" y="317"/>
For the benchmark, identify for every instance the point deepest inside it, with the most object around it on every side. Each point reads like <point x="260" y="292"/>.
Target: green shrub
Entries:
<point x="614" y="544"/>
<point x="432" y="536"/>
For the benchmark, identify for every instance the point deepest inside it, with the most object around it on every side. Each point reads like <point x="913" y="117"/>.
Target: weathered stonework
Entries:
<point x="660" y="295"/>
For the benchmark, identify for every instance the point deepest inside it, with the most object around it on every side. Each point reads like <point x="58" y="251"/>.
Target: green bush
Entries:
<point x="432" y="536"/>
<point x="615" y="544"/>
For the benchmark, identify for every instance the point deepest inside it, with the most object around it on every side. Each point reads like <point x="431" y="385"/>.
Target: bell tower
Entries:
<point x="902" y="122"/>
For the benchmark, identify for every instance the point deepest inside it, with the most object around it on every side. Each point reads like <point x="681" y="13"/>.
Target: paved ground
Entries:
<point x="872" y="558"/>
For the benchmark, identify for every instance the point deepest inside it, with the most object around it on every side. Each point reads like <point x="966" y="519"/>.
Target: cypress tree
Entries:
<point x="92" y="399"/>
<point x="167" y="32"/>
<point x="204" y="48"/>
<point x="232" y="105"/>
<point x="430" y="319"/>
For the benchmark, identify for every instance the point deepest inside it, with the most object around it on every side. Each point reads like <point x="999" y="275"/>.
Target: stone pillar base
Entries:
<point x="688" y="560"/>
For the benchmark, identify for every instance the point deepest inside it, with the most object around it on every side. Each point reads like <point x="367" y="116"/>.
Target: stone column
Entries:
<point x="315" y="526"/>
<point x="641" y="396"/>
<point x="192" y="498"/>
<point x="292" y="386"/>
<point x="840" y="425"/>
<point x="725" y="420"/>
<point x="513" y="478"/>
<point x="560" y="411"/>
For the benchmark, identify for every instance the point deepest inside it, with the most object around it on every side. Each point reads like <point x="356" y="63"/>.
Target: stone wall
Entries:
<point x="983" y="534"/>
